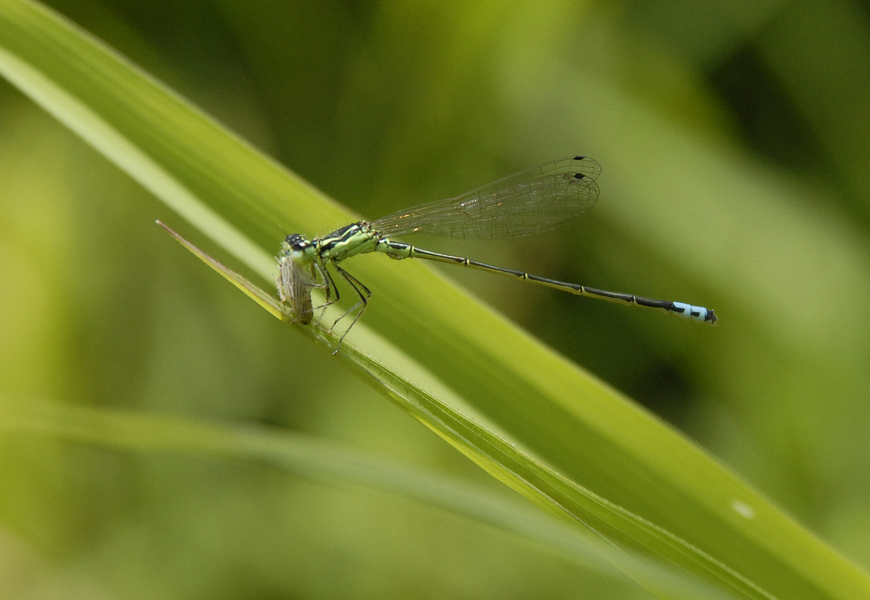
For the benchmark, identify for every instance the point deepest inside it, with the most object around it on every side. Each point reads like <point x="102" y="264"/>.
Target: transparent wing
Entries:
<point x="529" y="202"/>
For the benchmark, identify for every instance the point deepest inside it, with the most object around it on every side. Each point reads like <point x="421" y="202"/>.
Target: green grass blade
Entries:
<point x="313" y="457"/>
<point x="553" y="493"/>
<point x="614" y="468"/>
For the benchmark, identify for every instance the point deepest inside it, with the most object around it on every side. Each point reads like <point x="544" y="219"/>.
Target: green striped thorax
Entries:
<point x="353" y="239"/>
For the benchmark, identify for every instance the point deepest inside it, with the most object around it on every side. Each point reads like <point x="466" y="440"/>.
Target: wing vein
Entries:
<point x="533" y="201"/>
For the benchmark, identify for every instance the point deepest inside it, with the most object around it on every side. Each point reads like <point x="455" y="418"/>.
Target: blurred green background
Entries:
<point x="734" y="139"/>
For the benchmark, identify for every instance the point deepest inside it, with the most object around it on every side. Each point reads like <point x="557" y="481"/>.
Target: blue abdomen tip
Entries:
<point x="696" y="313"/>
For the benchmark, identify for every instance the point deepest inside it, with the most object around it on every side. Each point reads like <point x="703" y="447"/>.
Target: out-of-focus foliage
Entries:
<point x="733" y="138"/>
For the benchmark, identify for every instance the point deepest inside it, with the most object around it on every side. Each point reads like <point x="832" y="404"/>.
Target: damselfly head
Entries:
<point x="299" y="248"/>
<point x="296" y="241"/>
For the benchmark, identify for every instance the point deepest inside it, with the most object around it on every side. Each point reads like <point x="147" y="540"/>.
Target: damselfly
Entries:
<point x="529" y="202"/>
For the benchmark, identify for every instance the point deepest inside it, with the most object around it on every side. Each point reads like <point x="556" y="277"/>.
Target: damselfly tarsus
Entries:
<point x="529" y="202"/>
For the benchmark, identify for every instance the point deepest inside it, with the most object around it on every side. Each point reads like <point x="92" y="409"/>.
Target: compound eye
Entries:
<point x="296" y="241"/>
